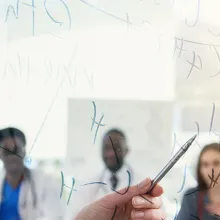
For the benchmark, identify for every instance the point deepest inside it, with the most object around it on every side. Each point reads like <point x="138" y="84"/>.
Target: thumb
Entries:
<point x="120" y="197"/>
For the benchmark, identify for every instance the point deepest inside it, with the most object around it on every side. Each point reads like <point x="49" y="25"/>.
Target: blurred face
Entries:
<point x="210" y="160"/>
<point x="12" y="153"/>
<point x="110" y="159"/>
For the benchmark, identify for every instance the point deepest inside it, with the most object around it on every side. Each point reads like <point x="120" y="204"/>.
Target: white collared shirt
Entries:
<point x="90" y="193"/>
<point x="123" y="180"/>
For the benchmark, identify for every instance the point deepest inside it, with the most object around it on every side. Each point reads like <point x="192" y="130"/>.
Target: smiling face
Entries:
<point x="209" y="160"/>
<point x="12" y="153"/>
<point x="114" y="150"/>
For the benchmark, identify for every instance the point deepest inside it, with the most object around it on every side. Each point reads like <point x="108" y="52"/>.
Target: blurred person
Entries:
<point x="127" y="206"/>
<point x="24" y="194"/>
<point x="114" y="176"/>
<point x="203" y="202"/>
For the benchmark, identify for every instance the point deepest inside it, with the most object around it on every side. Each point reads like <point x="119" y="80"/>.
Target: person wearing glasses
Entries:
<point x="24" y="194"/>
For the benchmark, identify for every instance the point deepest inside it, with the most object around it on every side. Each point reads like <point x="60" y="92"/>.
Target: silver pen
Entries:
<point x="171" y="163"/>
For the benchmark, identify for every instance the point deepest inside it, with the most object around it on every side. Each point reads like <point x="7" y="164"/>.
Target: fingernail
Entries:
<point x="138" y="214"/>
<point x="139" y="201"/>
<point x="144" y="183"/>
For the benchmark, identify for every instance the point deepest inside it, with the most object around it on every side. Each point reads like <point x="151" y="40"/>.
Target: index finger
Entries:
<point x="157" y="191"/>
<point x="145" y="186"/>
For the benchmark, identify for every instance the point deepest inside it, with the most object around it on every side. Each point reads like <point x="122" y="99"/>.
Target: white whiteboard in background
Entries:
<point x="146" y="124"/>
<point x="122" y="60"/>
<point x="100" y="53"/>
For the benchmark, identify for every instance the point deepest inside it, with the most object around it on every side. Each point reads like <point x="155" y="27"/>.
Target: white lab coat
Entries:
<point x="48" y="199"/>
<point x="89" y="193"/>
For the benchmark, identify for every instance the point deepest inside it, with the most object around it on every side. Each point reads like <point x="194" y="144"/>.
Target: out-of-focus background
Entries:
<point x="151" y="68"/>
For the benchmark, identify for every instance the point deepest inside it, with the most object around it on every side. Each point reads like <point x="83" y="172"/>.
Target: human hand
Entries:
<point x="128" y="206"/>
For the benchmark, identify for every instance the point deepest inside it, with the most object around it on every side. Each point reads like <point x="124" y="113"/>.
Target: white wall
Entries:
<point x="123" y="53"/>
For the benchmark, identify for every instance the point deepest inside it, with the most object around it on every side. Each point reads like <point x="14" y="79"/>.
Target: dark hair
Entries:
<point x="201" y="183"/>
<point x="117" y="131"/>
<point x="12" y="132"/>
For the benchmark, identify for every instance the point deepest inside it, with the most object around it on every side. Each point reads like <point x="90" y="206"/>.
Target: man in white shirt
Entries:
<point x="116" y="174"/>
